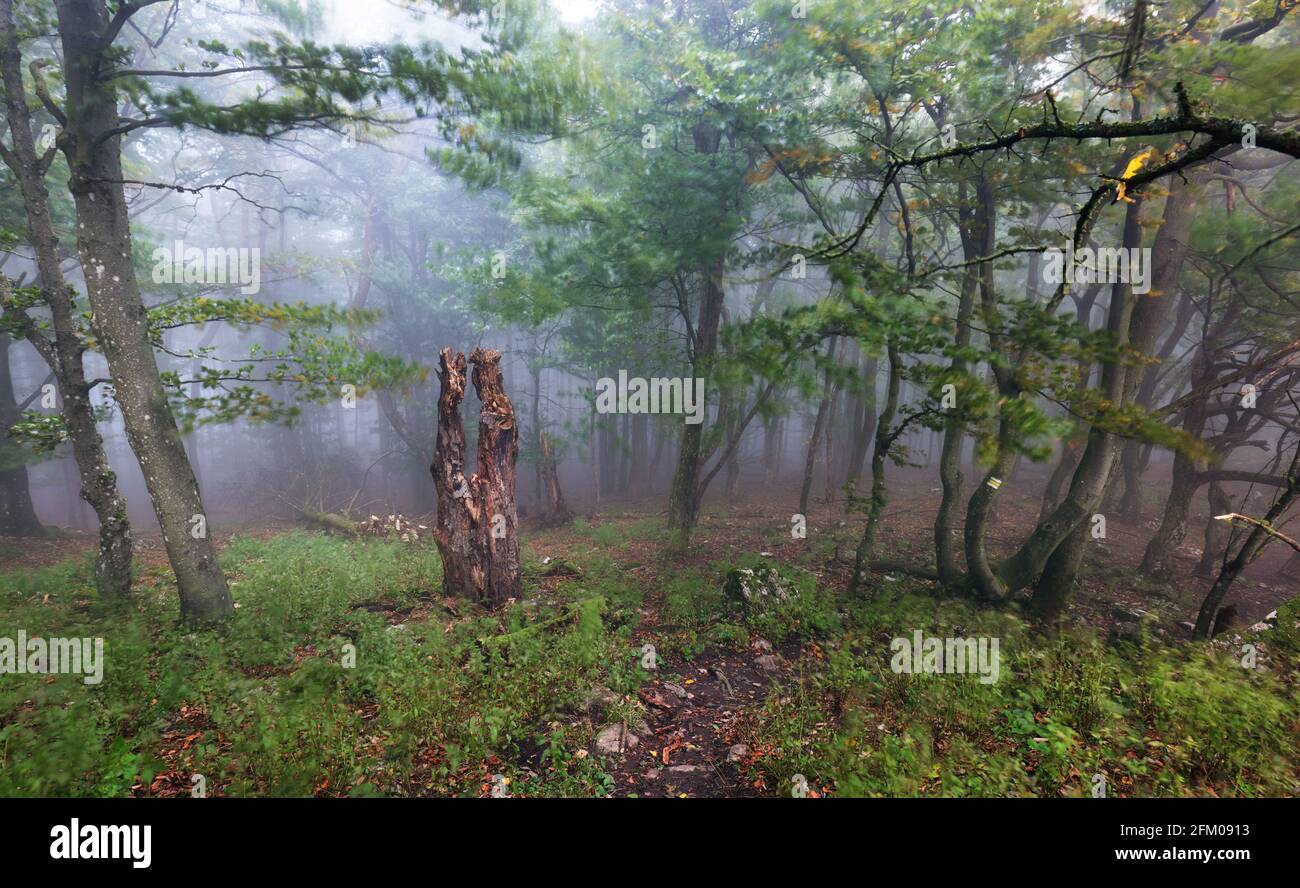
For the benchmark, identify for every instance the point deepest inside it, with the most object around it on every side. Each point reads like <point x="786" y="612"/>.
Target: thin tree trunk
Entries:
<point x="950" y="476"/>
<point x="1216" y="534"/>
<point x="1250" y="549"/>
<point x="864" y="433"/>
<point x="879" y="456"/>
<point x="538" y="437"/>
<point x="683" y="499"/>
<point x="810" y="460"/>
<point x="557" y="510"/>
<point x="65" y="354"/>
<point x="17" y="513"/>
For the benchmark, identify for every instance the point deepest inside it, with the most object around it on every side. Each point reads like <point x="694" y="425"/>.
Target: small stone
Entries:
<point x="768" y="663"/>
<point x="615" y="739"/>
<point x="762" y="645"/>
<point x="675" y="689"/>
<point x="683" y="769"/>
<point x="737" y="753"/>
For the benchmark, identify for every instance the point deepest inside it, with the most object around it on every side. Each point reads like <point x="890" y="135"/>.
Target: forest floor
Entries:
<point x="555" y="695"/>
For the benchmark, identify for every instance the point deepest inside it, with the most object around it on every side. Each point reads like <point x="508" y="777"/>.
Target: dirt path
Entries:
<point x="696" y="714"/>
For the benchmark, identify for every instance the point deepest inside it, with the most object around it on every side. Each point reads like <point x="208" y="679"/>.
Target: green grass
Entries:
<point x="432" y="706"/>
<point x="1155" y="719"/>
<point x="443" y="695"/>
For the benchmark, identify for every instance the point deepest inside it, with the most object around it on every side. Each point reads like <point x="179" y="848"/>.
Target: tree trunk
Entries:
<point x="557" y="510"/>
<point x="950" y="477"/>
<point x="1090" y="480"/>
<point x="879" y="457"/>
<point x="810" y="460"/>
<point x="476" y="529"/>
<point x="538" y="475"/>
<point x="65" y="354"/>
<point x="104" y="242"/>
<point x="1216" y="532"/>
<point x="1065" y="466"/>
<point x="1185" y="480"/>
<point x="17" y="514"/>
<point x="1052" y="591"/>
<point x="683" y="501"/>
<point x="1250" y="549"/>
<point x="864" y="432"/>
<point x="1173" y="524"/>
<point x="684" y="497"/>
<point x="979" y="510"/>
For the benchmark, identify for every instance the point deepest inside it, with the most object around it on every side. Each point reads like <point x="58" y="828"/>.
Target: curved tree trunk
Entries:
<point x="1173" y="524"/>
<point x="1259" y="537"/>
<point x="1065" y="466"/>
<point x="93" y="151"/>
<point x="979" y="509"/>
<point x="1052" y="591"/>
<point x="1092" y="476"/>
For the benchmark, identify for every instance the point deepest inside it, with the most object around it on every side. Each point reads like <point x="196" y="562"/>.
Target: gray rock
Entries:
<point x="675" y="689"/>
<point x="615" y="739"/>
<point x="737" y="753"/>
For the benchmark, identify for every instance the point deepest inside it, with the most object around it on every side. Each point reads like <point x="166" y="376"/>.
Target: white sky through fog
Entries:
<point x="573" y="11"/>
<point x="373" y="21"/>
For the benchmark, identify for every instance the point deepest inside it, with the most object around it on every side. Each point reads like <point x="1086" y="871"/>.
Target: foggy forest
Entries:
<point x="617" y="398"/>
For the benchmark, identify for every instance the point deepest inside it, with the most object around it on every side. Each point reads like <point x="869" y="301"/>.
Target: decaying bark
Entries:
<point x="477" y="518"/>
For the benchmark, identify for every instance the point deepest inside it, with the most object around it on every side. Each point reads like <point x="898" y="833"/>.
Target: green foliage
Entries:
<point x="434" y="704"/>
<point x="1162" y="719"/>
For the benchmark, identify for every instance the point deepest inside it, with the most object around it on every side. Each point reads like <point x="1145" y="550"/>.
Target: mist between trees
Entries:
<point x="993" y="297"/>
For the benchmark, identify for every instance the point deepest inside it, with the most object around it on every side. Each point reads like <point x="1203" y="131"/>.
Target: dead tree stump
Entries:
<point x="477" y="518"/>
